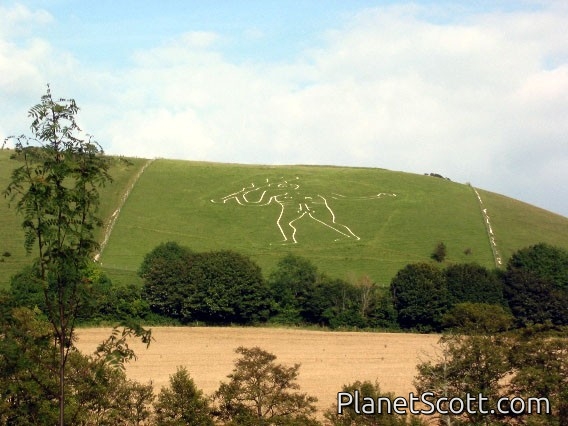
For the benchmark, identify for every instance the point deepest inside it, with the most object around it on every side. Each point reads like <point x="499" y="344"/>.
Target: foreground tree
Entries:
<point x="56" y="189"/>
<point x="261" y="392"/>
<point x="182" y="403"/>
<point x="541" y="361"/>
<point x="468" y="365"/>
<point x="530" y="364"/>
<point x="97" y="390"/>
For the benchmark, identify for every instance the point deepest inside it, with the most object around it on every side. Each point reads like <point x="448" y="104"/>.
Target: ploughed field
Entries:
<point x="328" y="359"/>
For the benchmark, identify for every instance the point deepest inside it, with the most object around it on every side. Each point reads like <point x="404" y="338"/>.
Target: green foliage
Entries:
<point x="468" y="365"/>
<point x="102" y="395"/>
<point x="543" y="260"/>
<point x="303" y="295"/>
<point x="97" y="391"/>
<point x="535" y="285"/>
<point x="182" y="403"/>
<point x="477" y="318"/>
<point x="534" y="300"/>
<point x="471" y="282"/>
<point x="261" y="392"/>
<point x="28" y="385"/>
<point x="55" y="189"/>
<point x="526" y="364"/>
<point x="26" y="289"/>
<point x="339" y="304"/>
<point x="292" y="285"/>
<point x="350" y="417"/>
<point x="231" y="289"/>
<point x="439" y="253"/>
<point x="168" y="279"/>
<point x="420" y="296"/>
<point x="542" y="365"/>
<point x="215" y="287"/>
<point x="100" y="301"/>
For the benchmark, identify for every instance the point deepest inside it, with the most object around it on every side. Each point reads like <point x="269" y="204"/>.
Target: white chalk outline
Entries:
<point x="288" y="196"/>
<point x="490" y="234"/>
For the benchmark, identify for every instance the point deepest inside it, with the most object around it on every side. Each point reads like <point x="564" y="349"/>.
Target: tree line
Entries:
<point x="224" y="287"/>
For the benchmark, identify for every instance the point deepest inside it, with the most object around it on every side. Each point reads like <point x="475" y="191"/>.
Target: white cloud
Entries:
<point x="160" y="133"/>
<point x="19" y="20"/>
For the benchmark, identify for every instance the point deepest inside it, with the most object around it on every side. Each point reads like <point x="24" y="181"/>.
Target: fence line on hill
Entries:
<point x="114" y="217"/>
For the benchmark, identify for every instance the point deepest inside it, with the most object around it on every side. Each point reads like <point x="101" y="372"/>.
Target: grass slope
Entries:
<point x="171" y="201"/>
<point x="11" y="232"/>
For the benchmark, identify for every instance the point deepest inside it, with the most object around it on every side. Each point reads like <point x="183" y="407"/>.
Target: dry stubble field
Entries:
<point x="328" y="359"/>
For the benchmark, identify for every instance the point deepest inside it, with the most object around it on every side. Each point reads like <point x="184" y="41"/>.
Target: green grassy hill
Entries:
<point x="342" y="225"/>
<point x="11" y="232"/>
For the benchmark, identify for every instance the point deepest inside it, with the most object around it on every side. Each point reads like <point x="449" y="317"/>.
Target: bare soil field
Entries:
<point x="328" y="359"/>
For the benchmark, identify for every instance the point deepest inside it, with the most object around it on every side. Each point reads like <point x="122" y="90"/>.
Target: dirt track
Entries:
<point x="328" y="359"/>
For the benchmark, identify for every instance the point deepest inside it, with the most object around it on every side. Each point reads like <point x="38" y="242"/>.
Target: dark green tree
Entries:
<point x="439" y="253"/>
<point x="261" y="392"/>
<point x="100" y="299"/>
<point x="543" y="260"/>
<point x="292" y="285"/>
<point x="339" y="304"/>
<point x="535" y="285"/>
<point x="534" y="299"/>
<point x="477" y="318"/>
<point x="470" y="282"/>
<point x="26" y="289"/>
<point x="182" y="403"/>
<point x="230" y="289"/>
<point x="215" y="287"/>
<point x="420" y="296"/>
<point x="168" y="279"/>
<point x="55" y="188"/>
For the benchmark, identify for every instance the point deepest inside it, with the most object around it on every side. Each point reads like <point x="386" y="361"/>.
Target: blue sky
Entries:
<point x="476" y="91"/>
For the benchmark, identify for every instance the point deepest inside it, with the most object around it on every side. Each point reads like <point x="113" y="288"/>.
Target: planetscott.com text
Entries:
<point x="428" y="404"/>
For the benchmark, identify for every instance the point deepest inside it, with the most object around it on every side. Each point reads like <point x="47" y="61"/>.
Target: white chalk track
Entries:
<point x="114" y="217"/>
<point x="490" y="233"/>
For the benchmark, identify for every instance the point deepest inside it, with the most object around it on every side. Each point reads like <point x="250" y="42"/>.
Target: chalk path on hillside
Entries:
<point x="490" y="233"/>
<point x="296" y="204"/>
<point x="114" y="216"/>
